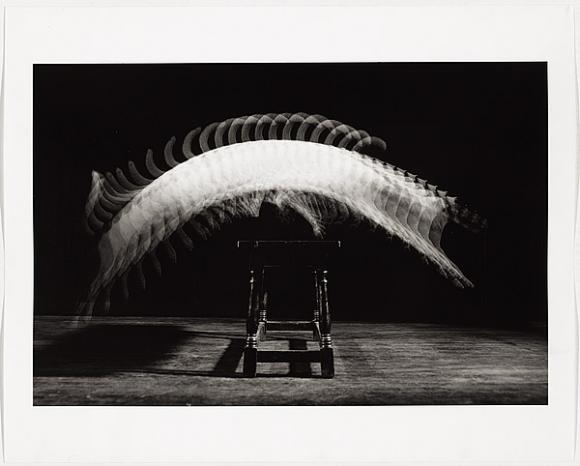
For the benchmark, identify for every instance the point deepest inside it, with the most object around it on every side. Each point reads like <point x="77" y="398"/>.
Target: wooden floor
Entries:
<point x="153" y="361"/>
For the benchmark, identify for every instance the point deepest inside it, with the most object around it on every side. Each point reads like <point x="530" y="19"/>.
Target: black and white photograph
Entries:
<point x="267" y="234"/>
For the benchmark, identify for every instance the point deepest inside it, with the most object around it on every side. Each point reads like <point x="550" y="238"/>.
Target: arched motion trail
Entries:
<point x="238" y="178"/>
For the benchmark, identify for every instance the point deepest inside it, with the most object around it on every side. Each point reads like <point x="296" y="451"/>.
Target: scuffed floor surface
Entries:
<point x="174" y="361"/>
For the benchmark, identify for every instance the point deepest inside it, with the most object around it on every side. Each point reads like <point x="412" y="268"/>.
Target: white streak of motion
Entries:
<point x="235" y="175"/>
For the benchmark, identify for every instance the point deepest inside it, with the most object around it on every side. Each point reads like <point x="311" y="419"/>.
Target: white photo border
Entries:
<point x="288" y="34"/>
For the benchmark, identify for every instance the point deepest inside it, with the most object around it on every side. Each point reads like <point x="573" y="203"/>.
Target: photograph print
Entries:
<point x="290" y="234"/>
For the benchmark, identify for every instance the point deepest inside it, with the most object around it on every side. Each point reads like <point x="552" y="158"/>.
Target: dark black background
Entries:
<point x="478" y="130"/>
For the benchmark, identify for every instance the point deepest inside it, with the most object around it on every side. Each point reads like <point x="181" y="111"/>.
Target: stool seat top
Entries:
<point x="288" y="244"/>
<point x="276" y="253"/>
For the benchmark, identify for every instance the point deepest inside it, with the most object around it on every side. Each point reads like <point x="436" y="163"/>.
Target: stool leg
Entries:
<point x="263" y="302"/>
<point x="326" y="353"/>
<point x="316" y="314"/>
<point x="251" y="349"/>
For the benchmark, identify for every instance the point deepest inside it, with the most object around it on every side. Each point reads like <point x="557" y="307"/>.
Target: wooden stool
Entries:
<point x="315" y="255"/>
